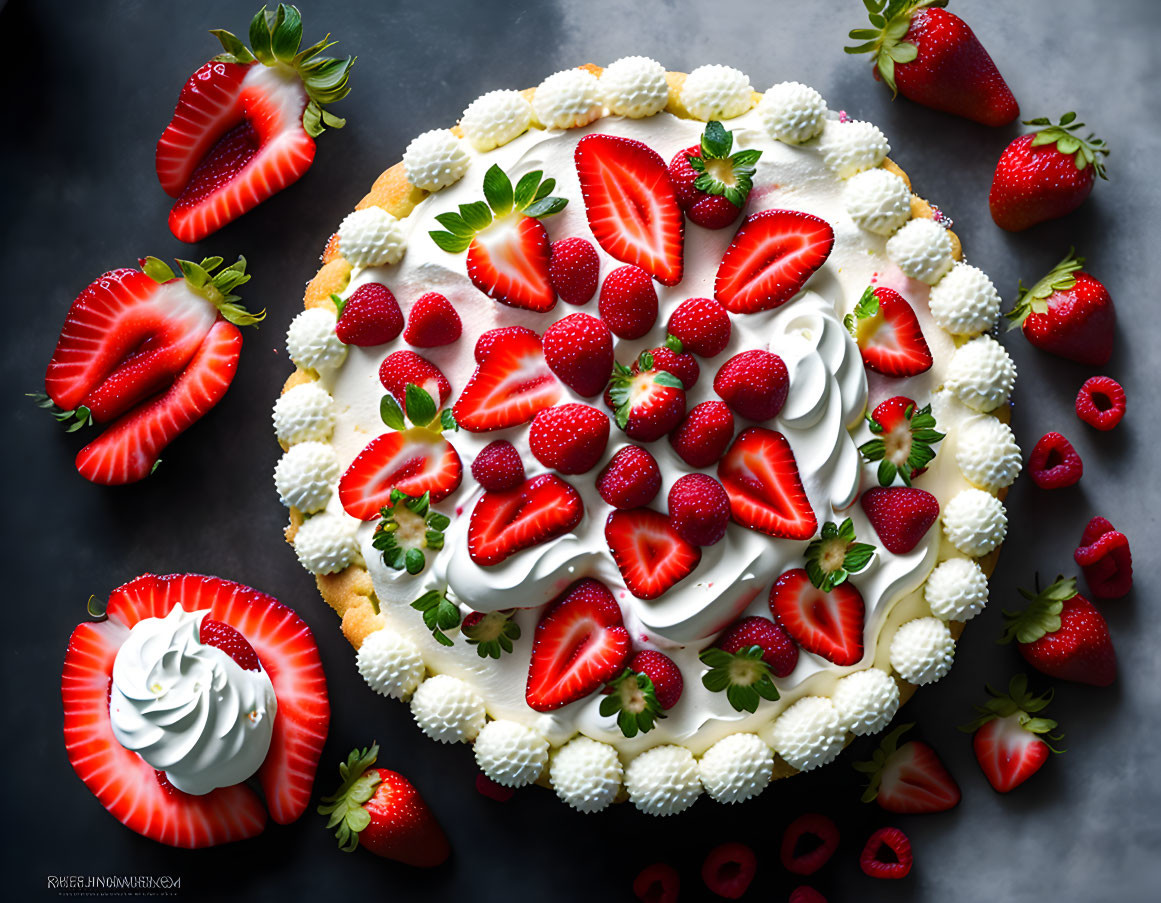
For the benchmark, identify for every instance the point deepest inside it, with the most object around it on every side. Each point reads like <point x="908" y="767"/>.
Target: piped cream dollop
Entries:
<point x="188" y="708"/>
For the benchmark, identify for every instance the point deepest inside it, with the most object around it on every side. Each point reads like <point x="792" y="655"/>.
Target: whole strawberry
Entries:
<point x="1008" y="736"/>
<point x="933" y="57"/>
<point x="371" y="316"/>
<point x="381" y="811"/>
<point x="710" y="180"/>
<point x="650" y="684"/>
<point x="648" y="403"/>
<point x="1068" y="313"/>
<point x="1063" y="635"/>
<point x="1046" y="174"/>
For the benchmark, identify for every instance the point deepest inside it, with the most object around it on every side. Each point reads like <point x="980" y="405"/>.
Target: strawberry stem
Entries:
<point x="1034" y="300"/>
<point x="890" y="21"/>
<point x="345" y="805"/>
<point x="1085" y="151"/>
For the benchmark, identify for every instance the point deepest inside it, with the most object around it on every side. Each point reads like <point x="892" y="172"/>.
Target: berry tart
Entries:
<point x="645" y="434"/>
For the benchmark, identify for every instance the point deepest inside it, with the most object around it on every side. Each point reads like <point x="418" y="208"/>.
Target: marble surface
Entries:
<point x="89" y="86"/>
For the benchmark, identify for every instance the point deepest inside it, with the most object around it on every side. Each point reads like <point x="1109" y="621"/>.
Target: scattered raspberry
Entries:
<point x="704" y="435"/>
<point x="804" y="894"/>
<point x="808" y="843"/>
<point x="573" y="270"/>
<point x="729" y="869"/>
<point x="1101" y="402"/>
<point x="498" y="466"/>
<point x="432" y="322"/>
<point x="1105" y="558"/>
<point x="493" y="791"/>
<point x="1054" y="463"/>
<point x="702" y="325"/>
<point x="628" y="302"/>
<point x="887" y="854"/>
<point x="631" y="479"/>
<point x="657" y="883"/>
<point x="699" y="509"/>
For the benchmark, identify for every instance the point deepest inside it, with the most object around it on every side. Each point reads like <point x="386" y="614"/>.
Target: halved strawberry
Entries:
<point x="130" y="448"/>
<point x="829" y="624"/>
<point x="507" y="244"/>
<point x="650" y="554"/>
<point x="126" y="784"/>
<point x="413" y="461"/>
<point x="131" y="332"/>
<point x="631" y="205"/>
<point x="1008" y="737"/>
<point x="506" y="522"/>
<point x="888" y="333"/>
<point x="761" y="478"/>
<point x="772" y="255"/>
<point x="122" y="781"/>
<point x="510" y="386"/>
<point x="245" y="123"/>
<point x="580" y="645"/>
<point x="909" y="779"/>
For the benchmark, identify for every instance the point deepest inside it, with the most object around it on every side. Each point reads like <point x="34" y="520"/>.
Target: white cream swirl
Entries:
<point x="188" y="708"/>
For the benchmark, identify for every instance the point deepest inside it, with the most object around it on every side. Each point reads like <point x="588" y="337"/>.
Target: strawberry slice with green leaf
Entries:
<point x="416" y="461"/>
<point x="650" y="554"/>
<point x="245" y="123"/>
<point x="511" y="520"/>
<point x="888" y="333"/>
<point x="511" y="385"/>
<point x="507" y="244"/>
<point x="904" y="435"/>
<point x="1008" y="736"/>
<point x="773" y="254"/>
<point x="835" y="555"/>
<point x="909" y="779"/>
<point x="828" y="623"/>
<point x="580" y="645"/>
<point x="631" y="204"/>
<point x="761" y="478"/>
<point x="130" y="333"/>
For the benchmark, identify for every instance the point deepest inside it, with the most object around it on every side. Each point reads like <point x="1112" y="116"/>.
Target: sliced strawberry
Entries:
<point x="125" y="337"/>
<point x="245" y="129"/>
<point x="413" y="461"/>
<point x="210" y="104"/>
<point x="580" y="645"/>
<point x="761" y="478"/>
<point x="650" y="554"/>
<point x="1009" y="735"/>
<point x="771" y="257"/>
<point x="123" y="782"/>
<point x="511" y="385"/>
<point x="909" y="779"/>
<point x="508" y="261"/>
<point x="402" y="368"/>
<point x="504" y="523"/>
<point x="829" y="624"/>
<point x="130" y="448"/>
<point x="288" y="653"/>
<point x="631" y="204"/>
<point x="889" y="335"/>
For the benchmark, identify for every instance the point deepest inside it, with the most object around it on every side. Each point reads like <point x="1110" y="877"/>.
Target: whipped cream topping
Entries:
<point x="187" y="708"/>
<point x="828" y="393"/>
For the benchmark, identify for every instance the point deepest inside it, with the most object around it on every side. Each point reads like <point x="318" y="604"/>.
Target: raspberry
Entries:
<point x="1101" y="402"/>
<point x="631" y="479"/>
<point x="729" y="869"/>
<point x="887" y="854"/>
<point x="699" y="509"/>
<point x="1106" y="560"/>
<point x="808" y="843"/>
<point x="1054" y="463"/>
<point x="657" y="883"/>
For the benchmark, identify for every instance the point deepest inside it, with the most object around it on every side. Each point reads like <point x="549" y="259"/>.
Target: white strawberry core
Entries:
<point x="898" y="444"/>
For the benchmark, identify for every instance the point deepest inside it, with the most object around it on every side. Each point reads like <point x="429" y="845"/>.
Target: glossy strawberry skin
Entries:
<point x="778" y="649"/>
<point x="1081" y="650"/>
<point x="574" y="268"/>
<point x="371" y="316"/>
<point x="1079" y="325"/>
<point x="663" y="671"/>
<point x="953" y="72"/>
<point x="402" y="825"/>
<point x="1035" y="184"/>
<point x="569" y="438"/>
<point x="710" y="211"/>
<point x="704" y="435"/>
<point x="579" y="350"/>
<point x="631" y="479"/>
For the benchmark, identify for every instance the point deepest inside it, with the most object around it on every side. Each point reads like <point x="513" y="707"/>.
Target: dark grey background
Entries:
<point x="89" y="86"/>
